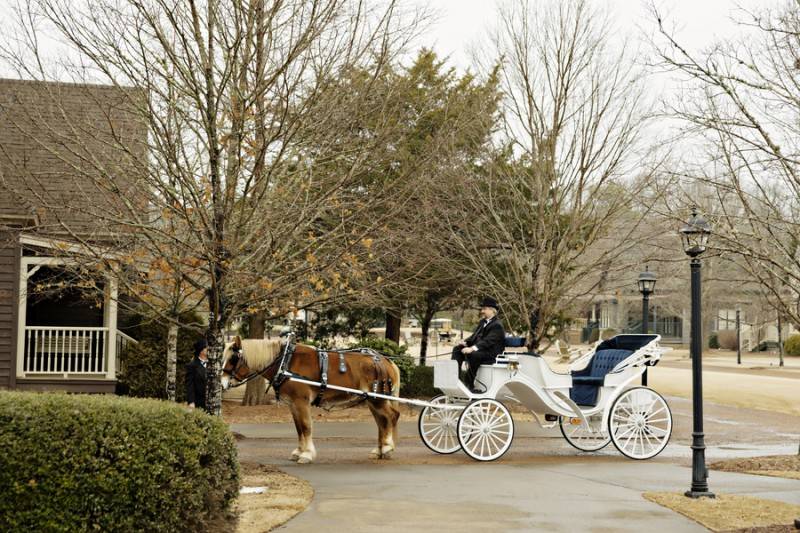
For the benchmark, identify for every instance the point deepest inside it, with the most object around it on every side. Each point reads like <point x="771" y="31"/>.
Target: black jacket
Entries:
<point x="489" y="338"/>
<point x="196" y="383"/>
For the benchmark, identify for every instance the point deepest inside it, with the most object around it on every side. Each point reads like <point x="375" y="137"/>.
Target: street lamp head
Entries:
<point x="647" y="282"/>
<point x="695" y="235"/>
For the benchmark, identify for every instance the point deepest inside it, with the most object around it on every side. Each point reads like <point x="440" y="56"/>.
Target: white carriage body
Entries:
<point x="528" y="380"/>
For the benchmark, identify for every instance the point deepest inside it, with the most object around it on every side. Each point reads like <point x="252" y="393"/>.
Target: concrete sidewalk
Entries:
<point x="497" y="497"/>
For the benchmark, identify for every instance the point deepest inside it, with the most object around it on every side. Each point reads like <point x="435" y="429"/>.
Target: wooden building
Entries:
<point x="65" y="339"/>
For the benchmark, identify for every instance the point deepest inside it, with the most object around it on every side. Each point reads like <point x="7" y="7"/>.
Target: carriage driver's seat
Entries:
<point x="586" y="382"/>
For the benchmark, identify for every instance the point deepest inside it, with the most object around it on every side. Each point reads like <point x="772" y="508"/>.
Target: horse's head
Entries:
<point x="242" y="359"/>
<point x="234" y="365"/>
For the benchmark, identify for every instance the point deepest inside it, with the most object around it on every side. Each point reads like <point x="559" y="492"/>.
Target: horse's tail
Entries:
<point x="395" y="383"/>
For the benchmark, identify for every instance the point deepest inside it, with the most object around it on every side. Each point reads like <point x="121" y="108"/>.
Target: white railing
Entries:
<point x="123" y="341"/>
<point x="68" y="350"/>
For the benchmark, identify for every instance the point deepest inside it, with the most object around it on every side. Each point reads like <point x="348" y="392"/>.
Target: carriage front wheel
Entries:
<point x="485" y="430"/>
<point x="640" y="423"/>
<point x="437" y="426"/>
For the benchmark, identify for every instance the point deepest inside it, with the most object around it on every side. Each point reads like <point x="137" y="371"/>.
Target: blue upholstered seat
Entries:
<point x="587" y="382"/>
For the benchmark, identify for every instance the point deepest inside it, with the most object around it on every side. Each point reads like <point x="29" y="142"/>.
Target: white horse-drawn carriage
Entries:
<point x="597" y="402"/>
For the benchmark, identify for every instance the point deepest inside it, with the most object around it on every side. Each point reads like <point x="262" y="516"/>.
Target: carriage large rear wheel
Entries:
<point x="437" y="426"/>
<point x="485" y="430"/>
<point x="580" y="438"/>
<point x="640" y="423"/>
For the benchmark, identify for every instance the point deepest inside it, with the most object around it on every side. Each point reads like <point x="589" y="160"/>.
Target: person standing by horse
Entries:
<point x="484" y="345"/>
<point x="196" y="379"/>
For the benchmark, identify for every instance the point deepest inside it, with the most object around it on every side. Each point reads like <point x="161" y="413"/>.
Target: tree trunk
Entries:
<point x="393" y="326"/>
<point x="533" y="337"/>
<point x="427" y="317"/>
<point x="780" y="340"/>
<point x="172" y="361"/>
<point x="216" y="345"/>
<point x="255" y="391"/>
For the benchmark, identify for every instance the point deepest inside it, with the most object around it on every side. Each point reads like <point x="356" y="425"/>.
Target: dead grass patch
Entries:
<point x="729" y="512"/>
<point x="787" y="466"/>
<point x="286" y="496"/>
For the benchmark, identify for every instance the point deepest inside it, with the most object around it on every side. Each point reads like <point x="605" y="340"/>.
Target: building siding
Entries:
<point x="9" y="261"/>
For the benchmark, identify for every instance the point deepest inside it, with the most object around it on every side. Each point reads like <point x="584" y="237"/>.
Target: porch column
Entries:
<point x="21" y="316"/>
<point x="110" y="319"/>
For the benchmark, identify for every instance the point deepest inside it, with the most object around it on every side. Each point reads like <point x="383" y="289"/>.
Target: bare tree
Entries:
<point x="741" y="107"/>
<point x="244" y="145"/>
<point x="554" y="208"/>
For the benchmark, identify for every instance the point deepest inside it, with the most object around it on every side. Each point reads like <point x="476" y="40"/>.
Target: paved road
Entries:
<point x="561" y="496"/>
<point x="730" y="432"/>
<point x="541" y="483"/>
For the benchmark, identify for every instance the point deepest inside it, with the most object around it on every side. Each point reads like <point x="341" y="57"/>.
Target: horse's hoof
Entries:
<point x="295" y="455"/>
<point x="375" y="453"/>
<point x="387" y="455"/>
<point x="304" y="460"/>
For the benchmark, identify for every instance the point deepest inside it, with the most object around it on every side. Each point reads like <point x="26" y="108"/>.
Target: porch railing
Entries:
<point x="68" y="350"/>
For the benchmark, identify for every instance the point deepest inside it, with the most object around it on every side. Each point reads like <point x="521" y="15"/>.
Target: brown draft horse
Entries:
<point x="243" y="359"/>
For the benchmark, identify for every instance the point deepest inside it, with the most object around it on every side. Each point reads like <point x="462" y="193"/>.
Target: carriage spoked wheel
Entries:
<point x="437" y="427"/>
<point x="582" y="439"/>
<point x="485" y="430"/>
<point x="640" y="423"/>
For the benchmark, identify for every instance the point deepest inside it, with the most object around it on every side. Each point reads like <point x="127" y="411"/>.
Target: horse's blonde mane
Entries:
<point x="259" y="353"/>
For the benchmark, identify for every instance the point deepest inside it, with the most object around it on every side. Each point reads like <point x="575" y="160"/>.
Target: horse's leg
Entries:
<point x="301" y="410"/>
<point x="301" y="414"/>
<point x="383" y="418"/>
<point x="300" y="437"/>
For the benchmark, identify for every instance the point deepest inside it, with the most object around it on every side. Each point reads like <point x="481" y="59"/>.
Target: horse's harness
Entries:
<point x="382" y="383"/>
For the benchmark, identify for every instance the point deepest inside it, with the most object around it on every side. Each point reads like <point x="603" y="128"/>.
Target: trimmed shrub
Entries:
<point x="713" y="341"/>
<point x="726" y="338"/>
<point x="791" y="346"/>
<point x="102" y="463"/>
<point x="419" y="383"/>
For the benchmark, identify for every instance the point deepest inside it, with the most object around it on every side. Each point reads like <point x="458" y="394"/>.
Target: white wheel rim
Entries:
<point x="640" y="423"/>
<point x="485" y="430"/>
<point x="583" y="439"/>
<point x="438" y="427"/>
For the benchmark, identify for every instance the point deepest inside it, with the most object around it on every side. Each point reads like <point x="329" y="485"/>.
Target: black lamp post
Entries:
<point x="695" y="237"/>
<point x="647" y="283"/>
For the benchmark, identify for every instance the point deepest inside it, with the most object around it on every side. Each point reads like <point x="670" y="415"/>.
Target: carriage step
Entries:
<point x="551" y="418"/>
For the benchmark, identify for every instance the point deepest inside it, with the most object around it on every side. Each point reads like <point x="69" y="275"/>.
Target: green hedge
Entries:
<point x="713" y="341"/>
<point x="102" y="463"/>
<point x="791" y="346"/>
<point x="419" y="383"/>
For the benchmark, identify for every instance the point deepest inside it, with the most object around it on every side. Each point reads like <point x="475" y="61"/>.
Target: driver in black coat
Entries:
<point x="484" y="345"/>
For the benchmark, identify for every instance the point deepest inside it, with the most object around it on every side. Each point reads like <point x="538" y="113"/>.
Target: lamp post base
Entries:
<point x="699" y="494"/>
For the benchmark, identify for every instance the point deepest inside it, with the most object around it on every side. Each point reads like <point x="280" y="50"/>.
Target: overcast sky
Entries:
<point x="462" y="23"/>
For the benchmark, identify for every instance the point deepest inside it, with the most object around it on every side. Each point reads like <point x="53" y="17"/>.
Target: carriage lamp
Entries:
<point x="695" y="238"/>
<point x="513" y="362"/>
<point x="647" y="284"/>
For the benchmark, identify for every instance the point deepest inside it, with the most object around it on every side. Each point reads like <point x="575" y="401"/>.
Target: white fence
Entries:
<point x="68" y="350"/>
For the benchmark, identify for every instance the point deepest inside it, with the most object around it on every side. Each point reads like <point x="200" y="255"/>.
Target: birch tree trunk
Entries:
<point x="172" y="361"/>
<point x="255" y="393"/>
